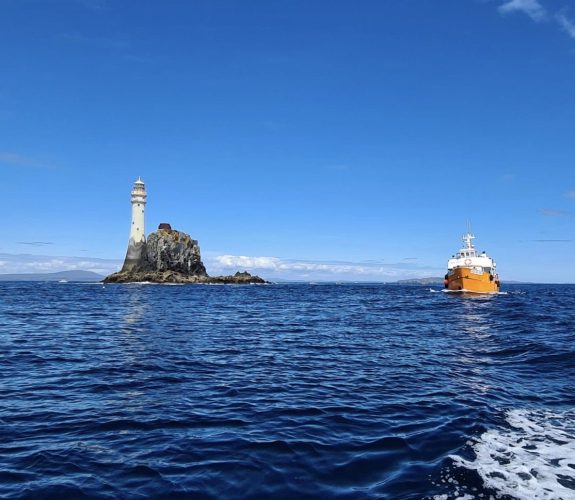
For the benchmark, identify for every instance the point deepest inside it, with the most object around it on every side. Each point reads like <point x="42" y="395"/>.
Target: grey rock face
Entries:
<point x="169" y="250"/>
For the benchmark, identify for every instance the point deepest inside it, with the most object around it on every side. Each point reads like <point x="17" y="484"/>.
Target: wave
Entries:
<point x="531" y="457"/>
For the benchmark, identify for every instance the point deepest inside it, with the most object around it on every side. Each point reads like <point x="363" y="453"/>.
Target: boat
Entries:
<point x="62" y="281"/>
<point x="470" y="271"/>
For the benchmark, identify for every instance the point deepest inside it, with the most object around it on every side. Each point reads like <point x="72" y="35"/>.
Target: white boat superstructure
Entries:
<point x="469" y="257"/>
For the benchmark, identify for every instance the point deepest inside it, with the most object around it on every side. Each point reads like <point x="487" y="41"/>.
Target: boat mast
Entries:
<point x="467" y="240"/>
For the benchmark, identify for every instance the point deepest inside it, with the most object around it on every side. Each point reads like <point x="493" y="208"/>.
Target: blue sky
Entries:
<point x="314" y="140"/>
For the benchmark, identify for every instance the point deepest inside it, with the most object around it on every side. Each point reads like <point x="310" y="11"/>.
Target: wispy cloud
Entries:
<point x="567" y="24"/>
<point x="507" y="178"/>
<point x="553" y="241"/>
<point x="552" y="212"/>
<point x="570" y="194"/>
<point x="35" y="243"/>
<point x="119" y="45"/>
<point x="116" y="43"/>
<point x="93" y="4"/>
<point x="338" y="167"/>
<point x="532" y="8"/>
<point x="26" y="263"/>
<point x="274" y="267"/>
<point x="19" y="160"/>
<point x="539" y="13"/>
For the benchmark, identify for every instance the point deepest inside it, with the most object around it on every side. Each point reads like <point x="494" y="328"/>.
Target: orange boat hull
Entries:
<point x="465" y="280"/>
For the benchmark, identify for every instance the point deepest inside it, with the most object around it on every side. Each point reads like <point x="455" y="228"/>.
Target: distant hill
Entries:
<point x="62" y="275"/>
<point x="421" y="281"/>
<point x="439" y="281"/>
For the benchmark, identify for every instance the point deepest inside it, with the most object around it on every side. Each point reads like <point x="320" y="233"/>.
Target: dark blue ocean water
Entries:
<point x="286" y="391"/>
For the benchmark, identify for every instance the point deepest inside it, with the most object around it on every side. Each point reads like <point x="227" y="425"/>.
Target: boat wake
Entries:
<point x="472" y="292"/>
<point x="532" y="457"/>
<point x="467" y="292"/>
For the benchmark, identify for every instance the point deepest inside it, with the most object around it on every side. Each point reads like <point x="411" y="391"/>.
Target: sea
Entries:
<point x="352" y="391"/>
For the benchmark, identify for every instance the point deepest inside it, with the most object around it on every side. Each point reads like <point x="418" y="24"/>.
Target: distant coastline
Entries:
<point x="421" y="281"/>
<point x="62" y="275"/>
<point x="439" y="281"/>
<point x="90" y="276"/>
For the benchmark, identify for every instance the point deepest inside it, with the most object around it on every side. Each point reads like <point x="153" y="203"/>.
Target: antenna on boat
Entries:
<point x="468" y="236"/>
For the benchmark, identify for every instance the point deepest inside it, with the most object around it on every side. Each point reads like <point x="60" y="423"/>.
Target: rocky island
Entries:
<point x="166" y="256"/>
<point x="170" y="256"/>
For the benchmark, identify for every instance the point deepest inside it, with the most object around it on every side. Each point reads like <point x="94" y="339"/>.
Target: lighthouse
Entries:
<point x="137" y="229"/>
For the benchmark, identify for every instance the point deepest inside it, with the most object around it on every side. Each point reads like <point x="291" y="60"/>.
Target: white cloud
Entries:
<point x="538" y="13"/>
<point x="532" y="8"/>
<point x="26" y="263"/>
<point x="567" y="24"/>
<point x="571" y="194"/>
<point x="267" y="267"/>
<point x="251" y="262"/>
<point x="274" y="267"/>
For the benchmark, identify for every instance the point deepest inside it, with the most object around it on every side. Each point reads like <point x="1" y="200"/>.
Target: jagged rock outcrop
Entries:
<point x="169" y="250"/>
<point x="170" y="256"/>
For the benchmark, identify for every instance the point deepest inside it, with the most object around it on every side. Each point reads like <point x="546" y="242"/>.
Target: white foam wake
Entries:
<point x="533" y="458"/>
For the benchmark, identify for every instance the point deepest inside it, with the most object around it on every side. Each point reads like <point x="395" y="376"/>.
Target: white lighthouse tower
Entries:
<point x="137" y="230"/>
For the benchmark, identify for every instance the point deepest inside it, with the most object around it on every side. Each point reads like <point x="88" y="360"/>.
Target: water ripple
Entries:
<point x="339" y="391"/>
